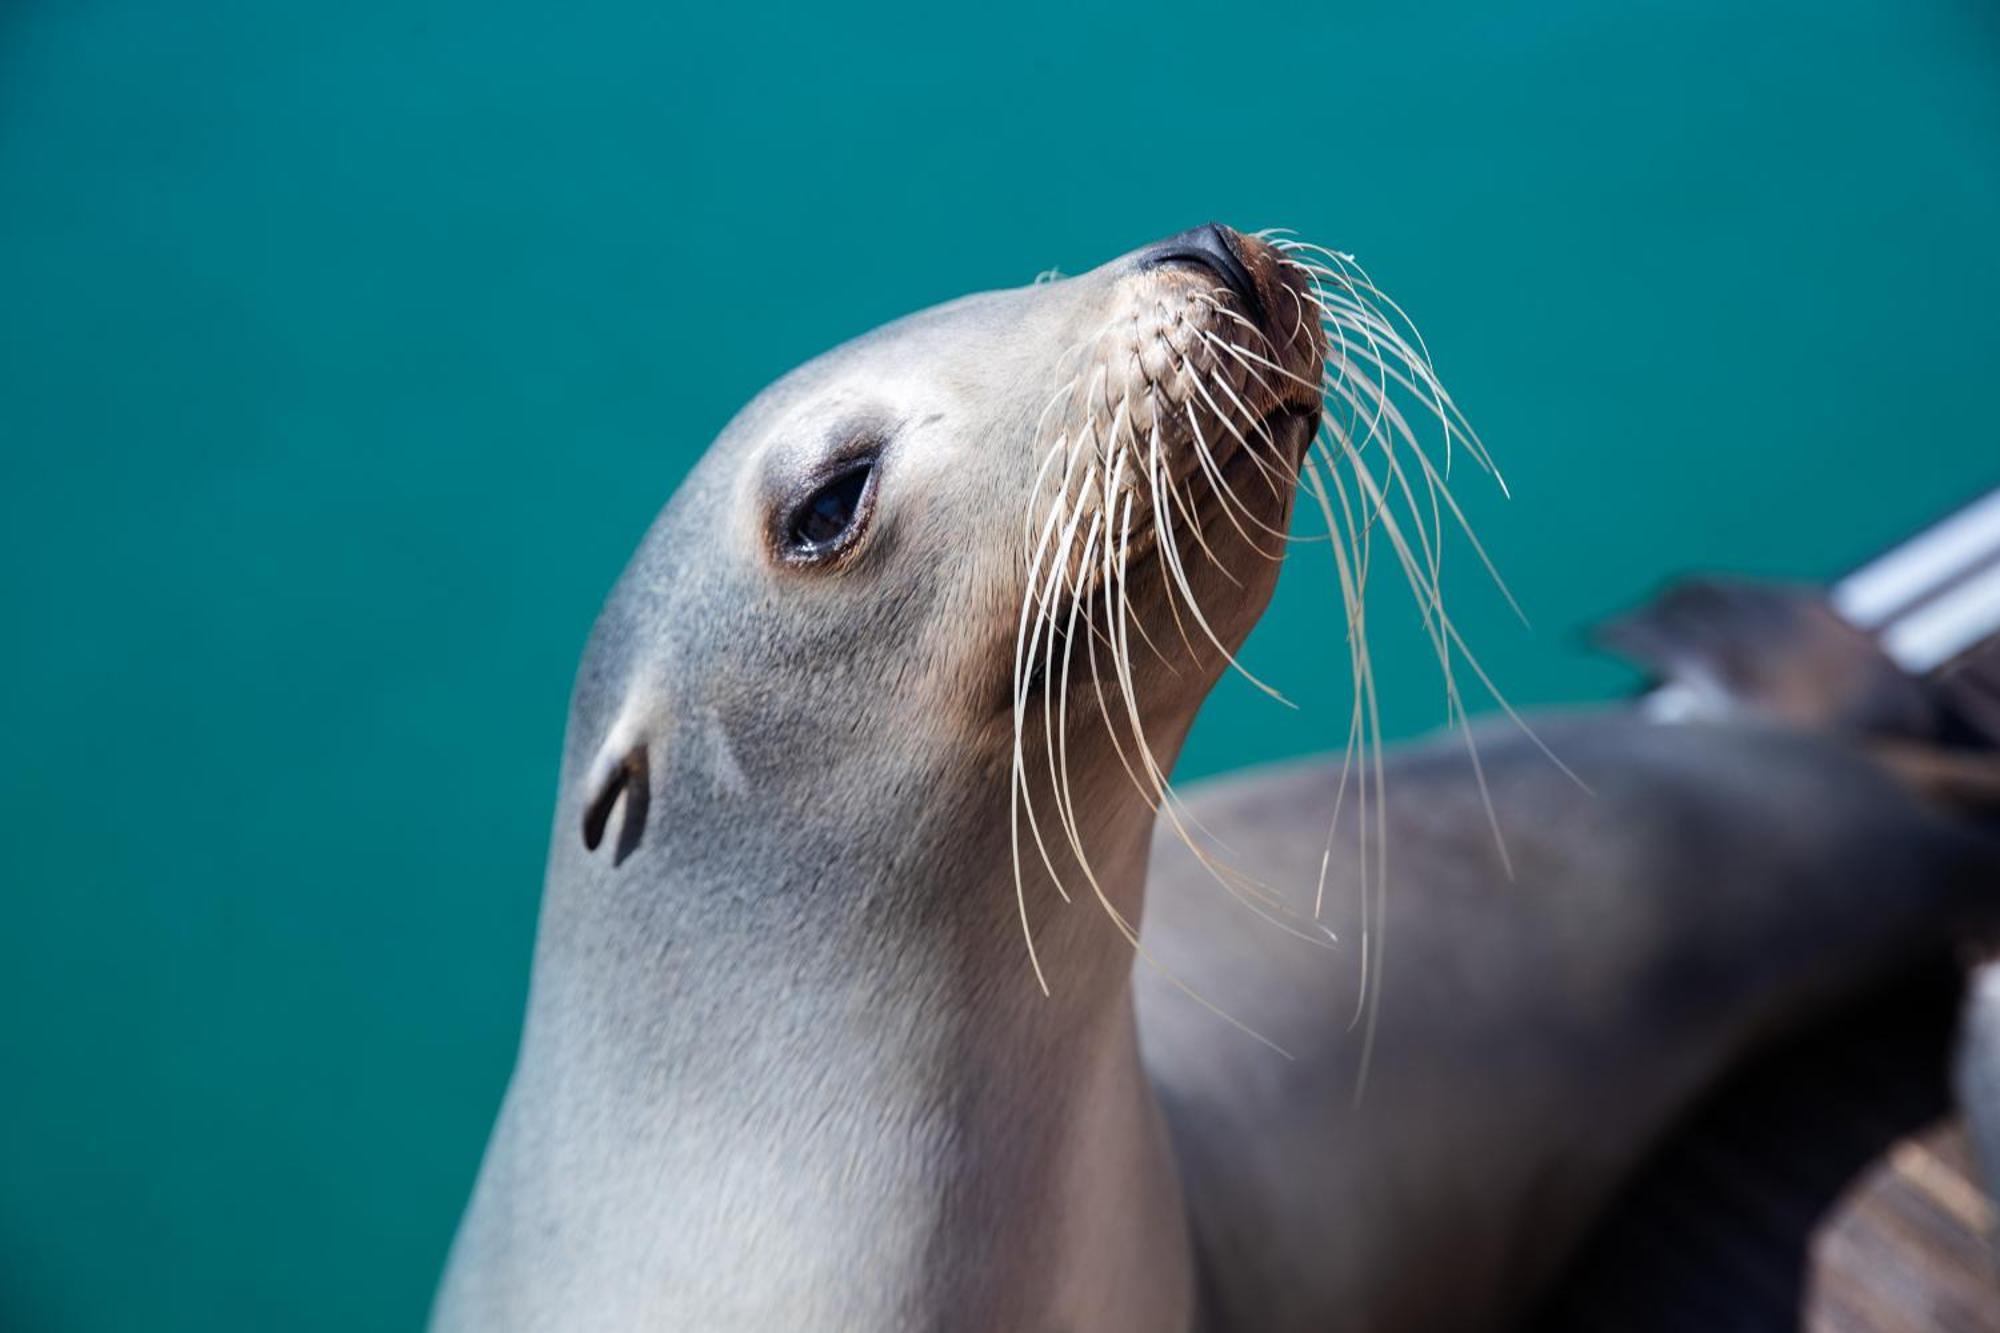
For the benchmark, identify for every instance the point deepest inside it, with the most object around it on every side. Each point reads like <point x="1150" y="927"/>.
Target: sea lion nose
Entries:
<point x="1216" y="248"/>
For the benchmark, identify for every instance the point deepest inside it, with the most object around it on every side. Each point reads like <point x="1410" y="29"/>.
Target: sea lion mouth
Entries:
<point x="1189" y="410"/>
<point x="1255" y="360"/>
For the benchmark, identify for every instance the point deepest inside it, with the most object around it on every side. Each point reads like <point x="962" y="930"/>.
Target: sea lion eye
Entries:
<point x="830" y="516"/>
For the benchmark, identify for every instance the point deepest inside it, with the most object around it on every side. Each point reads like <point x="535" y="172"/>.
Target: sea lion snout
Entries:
<point x="1251" y="270"/>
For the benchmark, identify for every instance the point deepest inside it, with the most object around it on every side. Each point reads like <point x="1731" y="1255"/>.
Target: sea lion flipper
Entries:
<point x="1731" y="648"/>
<point x="622" y="768"/>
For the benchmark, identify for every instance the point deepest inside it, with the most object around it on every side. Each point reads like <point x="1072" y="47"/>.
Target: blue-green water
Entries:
<point x="345" y="350"/>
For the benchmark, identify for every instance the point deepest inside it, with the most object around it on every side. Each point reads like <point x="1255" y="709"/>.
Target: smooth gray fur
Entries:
<point x="1718" y="885"/>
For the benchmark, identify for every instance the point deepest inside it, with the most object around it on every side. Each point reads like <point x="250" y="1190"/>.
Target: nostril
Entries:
<point x="1227" y="238"/>
<point x="1213" y="247"/>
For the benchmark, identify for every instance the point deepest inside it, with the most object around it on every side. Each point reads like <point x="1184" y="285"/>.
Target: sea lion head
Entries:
<point x="1021" y="521"/>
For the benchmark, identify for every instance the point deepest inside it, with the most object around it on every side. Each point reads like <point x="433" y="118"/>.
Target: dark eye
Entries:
<point x="828" y="518"/>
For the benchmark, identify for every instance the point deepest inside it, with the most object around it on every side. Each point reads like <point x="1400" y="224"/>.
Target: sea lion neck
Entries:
<point x="860" y="1111"/>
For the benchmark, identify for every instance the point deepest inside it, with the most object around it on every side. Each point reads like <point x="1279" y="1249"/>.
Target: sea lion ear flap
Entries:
<point x="622" y="768"/>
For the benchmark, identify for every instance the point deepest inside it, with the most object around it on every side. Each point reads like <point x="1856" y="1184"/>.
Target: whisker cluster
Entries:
<point x="1127" y="464"/>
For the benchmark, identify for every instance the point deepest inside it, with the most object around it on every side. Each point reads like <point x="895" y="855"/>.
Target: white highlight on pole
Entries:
<point x="1872" y="595"/>
<point x="1940" y="630"/>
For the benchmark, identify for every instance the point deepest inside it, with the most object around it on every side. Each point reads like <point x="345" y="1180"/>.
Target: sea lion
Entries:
<point x="1802" y="808"/>
<point x="785" y="1062"/>
<point x="833" y="1023"/>
<point x="1716" y="887"/>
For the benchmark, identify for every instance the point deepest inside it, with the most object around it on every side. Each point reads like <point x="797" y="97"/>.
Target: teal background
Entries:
<point x="345" y="351"/>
